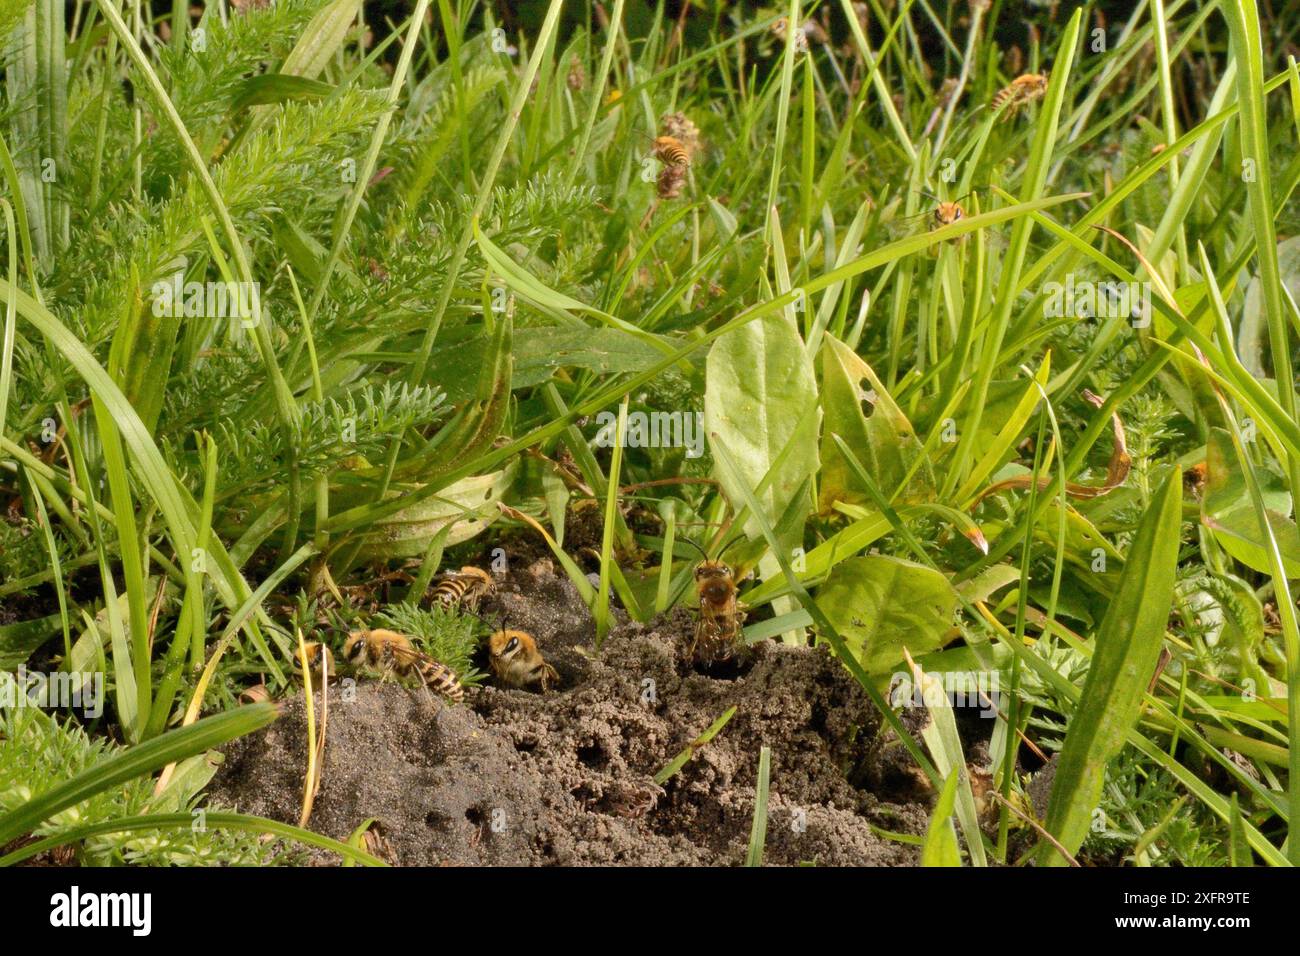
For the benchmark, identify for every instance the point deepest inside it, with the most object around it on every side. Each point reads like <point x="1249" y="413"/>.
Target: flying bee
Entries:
<point x="717" y="632"/>
<point x="464" y="588"/>
<point x="780" y="29"/>
<point x="1023" y="89"/>
<point x="670" y="151"/>
<point x="946" y="213"/>
<point x="393" y="655"/>
<point x="516" y="662"/>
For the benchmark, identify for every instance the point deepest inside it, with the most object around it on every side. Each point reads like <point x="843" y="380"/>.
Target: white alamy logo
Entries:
<point x="1098" y="300"/>
<point x="176" y="298"/>
<point x="72" y="909"/>
<point x="79" y="690"/>
<point x="654" y="430"/>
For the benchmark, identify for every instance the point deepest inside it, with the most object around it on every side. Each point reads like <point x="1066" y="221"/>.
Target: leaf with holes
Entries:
<point x="859" y="410"/>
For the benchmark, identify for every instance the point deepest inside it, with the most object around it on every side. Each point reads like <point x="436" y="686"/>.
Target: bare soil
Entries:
<point x="511" y="777"/>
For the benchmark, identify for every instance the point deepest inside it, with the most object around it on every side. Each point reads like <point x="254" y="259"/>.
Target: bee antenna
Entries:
<point x="703" y="553"/>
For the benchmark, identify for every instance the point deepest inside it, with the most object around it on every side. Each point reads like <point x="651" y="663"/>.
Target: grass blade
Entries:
<point x="1127" y="646"/>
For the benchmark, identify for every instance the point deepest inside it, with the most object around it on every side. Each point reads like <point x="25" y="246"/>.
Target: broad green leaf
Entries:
<point x="1009" y="421"/>
<point x="321" y="38"/>
<point x="1127" y="646"/>
<point x="467" y="508"/>
<point x="760" y="385"/>
<point x="482" y="418"/>
<point x="881" y="604"/>
<point x="859" y="409"/>
<point x="1227" y="509"/>
<point x="539" y="352"/>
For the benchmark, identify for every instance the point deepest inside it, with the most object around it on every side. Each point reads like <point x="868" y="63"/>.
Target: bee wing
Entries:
<point x="431" y="671"/>
<point x="407" y="655"/>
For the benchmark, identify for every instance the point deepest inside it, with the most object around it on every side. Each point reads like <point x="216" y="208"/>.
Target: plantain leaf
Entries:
<point x="881" y="605"/>
<point x="271" y="88"/>
<point x="859" y="409"/>
<point x="1227" y="509"/>
<point x="760" y="386"/>
<point x="539" y="352"/>
<point x="466" y="508"/>
<point x="1128" y="643"/>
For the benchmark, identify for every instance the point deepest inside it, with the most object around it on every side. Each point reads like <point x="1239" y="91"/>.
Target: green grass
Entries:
<point x="463" y="262"/>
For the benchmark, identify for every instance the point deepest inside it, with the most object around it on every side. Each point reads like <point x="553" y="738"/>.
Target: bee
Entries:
<point x="464" y="588"/>
<point x="670" y="151"/>
<point x="1023" y="89"/>
<point x="516" y="662"/>
<point x="780" y="29"/>
<point x="717" y="632"/>
<point x="393" y="655"/>
<point x="315" y="652"/>
<point x="1194" y="480"/>
<point x="946" y="213"/>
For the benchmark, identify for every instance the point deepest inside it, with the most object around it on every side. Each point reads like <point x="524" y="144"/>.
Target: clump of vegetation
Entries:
<point x="965" y="342"/>
<point x="38" y="753"/>
<point x="446" y="636"/>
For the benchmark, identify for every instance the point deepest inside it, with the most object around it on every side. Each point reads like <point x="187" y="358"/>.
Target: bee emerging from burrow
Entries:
<point x="516" y="662"/>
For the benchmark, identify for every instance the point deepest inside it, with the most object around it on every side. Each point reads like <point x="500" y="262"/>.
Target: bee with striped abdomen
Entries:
<point x="670" y="151"/>
<point x="463" y="588"/>
<point x="390" y="654"/>
<point x="1023" y="89"/>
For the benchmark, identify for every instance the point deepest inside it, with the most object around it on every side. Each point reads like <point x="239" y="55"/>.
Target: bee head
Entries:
<point x="505" y="644"/>
<point x="354" y="647"/>
<point x="711" y="569"/>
